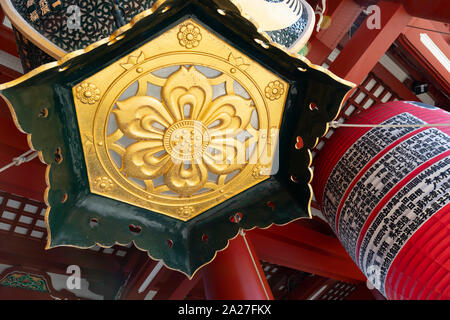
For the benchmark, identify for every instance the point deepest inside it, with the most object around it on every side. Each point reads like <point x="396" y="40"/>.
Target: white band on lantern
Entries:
<point x="335" y="124"/>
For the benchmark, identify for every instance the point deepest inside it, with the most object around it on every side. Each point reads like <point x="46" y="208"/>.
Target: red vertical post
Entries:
<point x="236" y="274"/>
<point x="367" y="46"/>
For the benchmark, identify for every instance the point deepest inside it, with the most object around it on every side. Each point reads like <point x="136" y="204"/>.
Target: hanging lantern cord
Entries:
<point x="26" y="157"/>
<point x="320" y="10"/>
<point x="335" y="124"/>
<point x="118" y="12"/>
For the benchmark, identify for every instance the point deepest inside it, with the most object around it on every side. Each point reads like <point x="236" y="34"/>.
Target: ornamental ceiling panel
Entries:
<point x="181" y="124"/>
<point x="174" y="133"/>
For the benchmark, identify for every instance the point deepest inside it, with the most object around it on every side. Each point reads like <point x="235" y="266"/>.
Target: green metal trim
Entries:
<point x="69" y="222"/>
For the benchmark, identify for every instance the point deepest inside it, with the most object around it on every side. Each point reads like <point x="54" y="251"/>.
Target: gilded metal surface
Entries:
<point x="174" y="130"/>
<point x="72" y="206"/>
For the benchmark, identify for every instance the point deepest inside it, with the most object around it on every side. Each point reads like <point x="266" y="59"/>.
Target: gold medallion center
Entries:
<point x="186" y="140"/>
<point x="181" y="124"/>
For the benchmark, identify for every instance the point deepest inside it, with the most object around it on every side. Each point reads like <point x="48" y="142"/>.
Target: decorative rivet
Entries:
<point x="236" y="218"/>
<point x="135" y="229"/>
<point x="43" y="113"/>
<point x="58" y="156"/>
<point x="299" y="145"/>
<point x="313" y="106"/>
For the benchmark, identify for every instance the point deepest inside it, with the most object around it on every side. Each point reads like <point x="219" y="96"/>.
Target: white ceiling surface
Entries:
<point x="393" y="68"/>
<point x="7" y="23"/>
<point x="10" y="61"/>
<point x="59" y="282"/>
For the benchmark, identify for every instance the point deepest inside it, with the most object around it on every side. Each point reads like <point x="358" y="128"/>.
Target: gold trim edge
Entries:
<point x="116" y="34"/>
<point x="49" y="246"/>
<point x="28" y="31"/>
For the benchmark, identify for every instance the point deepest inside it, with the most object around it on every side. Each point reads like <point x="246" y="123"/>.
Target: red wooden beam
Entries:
<point x="413" y="68"/>
<point x="411" y="42"/>
<point x="236" y="274"/>
<point x="299" y="247"/>
<point x="18" y="250"/>
<point x="367" y="46"/>
<point x="433" y="10"/>
<point x="7" y="39"/>
<point x="402" y="60"/>
<point x="137" y="277"/>
<point x="6" y="75"/>
<point x="185" y="287"/>
<point x="10" y="135"/>
<point x="342" y="14"/>
<point x="393" y="83"/>
<point x="166" y="283"/>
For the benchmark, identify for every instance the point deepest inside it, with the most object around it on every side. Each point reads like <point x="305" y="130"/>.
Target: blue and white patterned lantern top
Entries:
<point x="288" y="22"/>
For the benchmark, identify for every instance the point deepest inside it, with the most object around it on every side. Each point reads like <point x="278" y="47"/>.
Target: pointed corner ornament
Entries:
<point x="165" y="132"/>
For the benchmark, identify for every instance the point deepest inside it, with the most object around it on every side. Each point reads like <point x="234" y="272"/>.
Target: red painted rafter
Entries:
<point x="236" y="273"/>
<point x="20" y="250"/>
<point x="393" y="83"/>
<point x="367" y="46"/>
<point x="299" y="247"/>
<point x="137" y="277"/>
<point x="435" y="10"/>
<point x="7" y="39"/>
<point x="185" y="287"/>
<point x="428" y="63"/>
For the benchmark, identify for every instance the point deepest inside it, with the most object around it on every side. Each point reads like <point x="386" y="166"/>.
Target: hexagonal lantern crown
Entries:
<point x="181" y="124"/>
<point x="181" y="128"/>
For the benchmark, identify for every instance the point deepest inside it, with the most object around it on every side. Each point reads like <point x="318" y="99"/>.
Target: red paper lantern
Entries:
<point x="386" y="193"/>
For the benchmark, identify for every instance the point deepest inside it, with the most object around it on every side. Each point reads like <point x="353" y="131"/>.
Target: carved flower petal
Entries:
<point x="141" y="160"/>
<point x="186" y="87"/>
<point x="229" y="155"/>
<point x="232" y="112"/>
<point x="186" y="180"/>
<point x="139" y="117"/>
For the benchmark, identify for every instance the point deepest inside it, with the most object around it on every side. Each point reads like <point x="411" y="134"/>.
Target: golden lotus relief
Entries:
<point x="87" y="93"/>
<point x="179" y="131"/>
<point x="189" y="36"/>
<point x="274" y="90"/>
<point x="186" y="140"/>
<point x="103" y="184"/>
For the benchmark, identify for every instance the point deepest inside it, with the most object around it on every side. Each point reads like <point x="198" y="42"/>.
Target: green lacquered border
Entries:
<point x="68" y="222"/>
